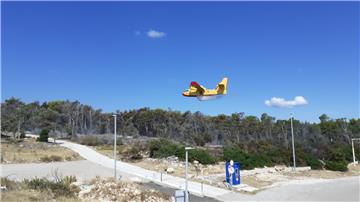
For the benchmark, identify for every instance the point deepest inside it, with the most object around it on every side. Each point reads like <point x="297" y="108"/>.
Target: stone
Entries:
<point x="170" y="170"/>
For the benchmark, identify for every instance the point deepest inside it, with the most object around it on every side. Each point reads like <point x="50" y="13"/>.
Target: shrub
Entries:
<point x="336" y="165"/>
<point x="22" y="134"/>
<point x="199" y="141"/>
<point x="68" y="158"/>
<point x="45" y="159"/>
<point x="238" y="155"/>
<point x="59" y="188"/>
<point x="279" y="156"/>
<point x="336" y="159"/>
<point x="200" y="155"/>
<point x="135" y="153"/>
<point x="90" y="140"/>
<point x="163" y="148"/>
<point x="52" y="158"/>
<point x="313" y="162"/>
<point x="69" y="179"/>
<point x="37" y="183"/>
<point x="337" y="154"/>
<point x="268" y="157"/>
<point x="258" y="160"/>
<point x="300" y="156"/>
<point x="44" y="135"/>
<point x="10" y="184"/>
<point x="344" y="152"/>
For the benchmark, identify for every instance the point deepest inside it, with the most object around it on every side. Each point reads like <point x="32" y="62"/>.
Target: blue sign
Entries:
<point x="232" y="173"/>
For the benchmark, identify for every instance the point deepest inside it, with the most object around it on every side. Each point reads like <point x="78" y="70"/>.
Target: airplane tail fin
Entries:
<point x="221" y="88"/>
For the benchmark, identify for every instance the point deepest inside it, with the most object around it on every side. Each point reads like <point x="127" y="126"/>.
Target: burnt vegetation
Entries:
<point x="251" y="140"/>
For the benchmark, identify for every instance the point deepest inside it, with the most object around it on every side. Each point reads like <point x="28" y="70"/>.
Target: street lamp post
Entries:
<point x="114" y="145"/>
<point x="186" y="173"/>
<point x="292" y="137"/>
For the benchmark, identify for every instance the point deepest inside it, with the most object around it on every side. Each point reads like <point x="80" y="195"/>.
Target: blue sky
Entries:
<point x="101" y="54"/>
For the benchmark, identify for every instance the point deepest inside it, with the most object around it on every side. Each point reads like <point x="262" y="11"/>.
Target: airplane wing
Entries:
<point x="195" y="86"/>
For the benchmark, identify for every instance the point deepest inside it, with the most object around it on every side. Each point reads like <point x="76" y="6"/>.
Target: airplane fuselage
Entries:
<point x="194" y="93"/>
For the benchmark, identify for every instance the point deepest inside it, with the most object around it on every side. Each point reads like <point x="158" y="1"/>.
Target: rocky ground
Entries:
<point x="110" y="190"/>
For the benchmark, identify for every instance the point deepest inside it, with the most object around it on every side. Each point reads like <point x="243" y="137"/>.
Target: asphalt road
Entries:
<point x="83" y="170"/>
<point x="171" y="191"/>
<point x="341" y="189"/>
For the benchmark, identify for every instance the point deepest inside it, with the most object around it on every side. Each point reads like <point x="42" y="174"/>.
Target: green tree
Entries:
<point x="44" y="135"/>
<point x="12" y="116"/>
<point x="354" y="126"/>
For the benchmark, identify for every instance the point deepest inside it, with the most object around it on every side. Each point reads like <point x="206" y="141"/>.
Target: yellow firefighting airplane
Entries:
<point x="201" y="92"/>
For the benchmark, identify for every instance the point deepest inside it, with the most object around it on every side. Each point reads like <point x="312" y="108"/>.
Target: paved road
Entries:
<point x="170" y="191"/>
<point x="341" y="189"/>
<point x="84" y="170"/>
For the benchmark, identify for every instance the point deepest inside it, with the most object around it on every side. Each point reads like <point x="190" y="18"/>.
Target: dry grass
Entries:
<point x="354" y="170"/>
<point x="255" y="182"/>
<point x="31" y="151"/>
<point x="108" y="150"/>
<point x="123" y="151"/>
<point x="264" y="180"/>
<point x="33" y="195"/>
<point x="24" y="195"/>
<point x="20" y="191"/>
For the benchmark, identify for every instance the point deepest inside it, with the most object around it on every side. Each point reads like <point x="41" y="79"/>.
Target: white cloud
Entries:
<point x="155" y="34"/>
<point x="281" y="102"/>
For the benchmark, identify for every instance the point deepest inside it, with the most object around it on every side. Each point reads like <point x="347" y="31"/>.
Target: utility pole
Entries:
<point x="293" y="146"/>
<point x="115" y="146"/>
<point x="353" y="148"/>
